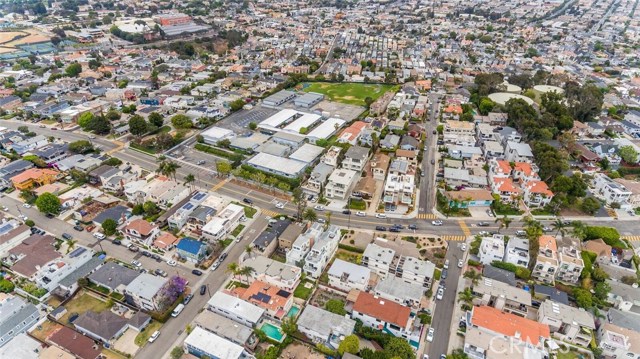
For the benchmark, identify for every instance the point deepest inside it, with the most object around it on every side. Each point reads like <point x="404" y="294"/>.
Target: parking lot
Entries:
<point x="239" y="122"/>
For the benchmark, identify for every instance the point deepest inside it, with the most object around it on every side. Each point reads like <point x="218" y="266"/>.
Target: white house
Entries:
<point x="223" y="223"/>
<point x="235" y="309"/>
<point x="346" y="276"/>
<point x="518" y="152"/>
<point x="302" y="245"/>
<point x="517" y="252"/>
<point x="399" y="291"/>
<point x="144" y="291"/>
<point x="324" y="327"/>
<point x="611" y="191"/>
<point x="281" y="275"/>
<point x="378" y="259"/>
<point x="340" y="183"/>
<point x="491" y="249"/>
<point x="323" y="249"/>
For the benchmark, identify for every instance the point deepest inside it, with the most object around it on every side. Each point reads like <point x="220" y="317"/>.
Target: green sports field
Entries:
<point x="349" y="93"/>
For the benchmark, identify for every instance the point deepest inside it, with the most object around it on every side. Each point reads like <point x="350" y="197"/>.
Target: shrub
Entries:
<point x="350" y="248"/>
<point x="609" y="235"/>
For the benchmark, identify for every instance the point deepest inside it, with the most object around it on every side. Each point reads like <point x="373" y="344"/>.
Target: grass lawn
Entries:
<point x="279" y="257"/>
<point x="302" y="291"/>
<point x="237" y="230"/>
<point x="349" y="256"/>
<point x="141" y="339"/>
<point x="569" y="355"/>
<point x="81" y="304"/>
<point x="110" y="354"/>
<point x="249" y="212"/>
<point x="45" y="329"/>
<point x="349" y="93"/>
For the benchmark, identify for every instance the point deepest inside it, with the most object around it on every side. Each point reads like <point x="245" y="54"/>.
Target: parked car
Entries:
<point x="546" y="229"/>
<point x="463" y="247"/>
<point x="413" y="227"/>
<point x="433" y="162"/>
<point x="381" y="228"/>
<point x="196" y="272"/>
<point x="247" y="201"/>
<point x="483" y="224"/>
<point x="154" y="336"/>
<point x="321" y="220"/>
<point x="483" y="233"/>
<point x="346" y="211"/>
<point x="50" y="215"/>
<point x="490" y="213"/>
<point x="318" y="208"/>
<point x="430" y="334"/>
<point x="99" y="235"/>
<point x="397" y="225"/>
<point x="437" y="223"/>
<point x="381" y="215"/>
<point x="187" y="299"/>
<point x="446" y="264"/>
<point x="215" y="266"/>
<point x="135" y="263"/>
<point x="117" y="242"/>
<point x="203" y="289"/>
<point x="279" y="205"/>
<point x="440" y="293"/>
<point x="460" y="263"/>
<point x="133" y="248"/>
<point x="521" y="233"/>
<point x="172" y="263"/>
<point x="67" y="236"/>
<point x="178" y="310"/>
<point x="394" y="229"/>
<point x="223" y="256"/>
<point x="146" y="254"/>
<point x="361" y="214"/>
<point x="26" y="205"/>
<point x="444" y="274"/>
<point x="5" y="208"/>
<point x="201" y="162"/>
<point x="78" y="228"/>
<point x="160" y="272"/>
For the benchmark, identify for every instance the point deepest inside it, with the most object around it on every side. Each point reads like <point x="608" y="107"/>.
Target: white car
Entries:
<point x="92" y="137"/>
<point x="460" y="263"/>
<point x="99" y="235"/>
<point x="5" y="208"/>
<point x="361" y="214"/>
<point x="279" y="205"/>
<point x="446" y="264"/>
<point x="437" y="223"/>
<point x="23" y="217"/>
<point x="318" y="208"/>
<point x="172" y="263"/>
<point x="135" y="263"/>
<point x="430" y="334"/>
<point x="381" y="215"/>
<point x="483" y="233"/>
<point x="215" y="266"/>
<point x="154" y="336"/>
<point x="463" y="247"/>
<point x="440" y="293"/>
<point x="26" y="205"/>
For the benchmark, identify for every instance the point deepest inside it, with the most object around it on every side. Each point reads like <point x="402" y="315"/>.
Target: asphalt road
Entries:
<point x="442" y="315"/>
<point x="427" y="183"/>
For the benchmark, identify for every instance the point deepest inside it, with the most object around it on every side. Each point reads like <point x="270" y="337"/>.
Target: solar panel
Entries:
<point x="262" y="297"/>
<point x="283" y="293"/>
<point x="188" y="206"/>
<point x="77" y="252"/>
<point x="200" y="195"/>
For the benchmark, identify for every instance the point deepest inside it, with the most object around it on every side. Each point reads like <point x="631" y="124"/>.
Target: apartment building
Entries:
<point x="340" y="183"/>
<point x="611" y="191"/>
<point x="302" y="245"/>
<point x="379" y="166"/>
<point x="355" y="158"/>
<point x="378" y="259"/>
<point x="346" y="276"/>
<point x="547" y="260"/>
<point x="517" y="251"/>
<point x="235" y="309"/>
<point x="459" y="132"/>
<point x="491" y="249"/>
<point x="502" y="296"/>
<point x="281" y="275"/>
<point x="570" y="266"/>
<point x="321" y="252"/>
<point x="223" y="223"/>
<point x="567" y="323"/>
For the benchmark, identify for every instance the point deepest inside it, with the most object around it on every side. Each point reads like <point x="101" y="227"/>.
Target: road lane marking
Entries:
<point x="426" y="216"/>
<point x="464" y="227"/>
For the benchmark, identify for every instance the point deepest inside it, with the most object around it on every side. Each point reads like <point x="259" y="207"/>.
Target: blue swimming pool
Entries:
<point x="272" y="332"/>
<point x="293" y="312"/>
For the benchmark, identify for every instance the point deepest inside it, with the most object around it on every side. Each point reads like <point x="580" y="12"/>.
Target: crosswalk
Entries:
<point x="631" y="238"/>
<point x="454" y="238"/>
<point x="220" y="185"/>
<point x="426" y="216"/>
<point x="270" y="213"/>
<point x="464" y="227"/>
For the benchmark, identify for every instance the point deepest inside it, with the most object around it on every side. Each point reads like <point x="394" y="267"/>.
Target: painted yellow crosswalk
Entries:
<point x="454" y="238"/>
<point x="219" y="185"/>
<point x="426" y="216"/>
<point x="269" y="213"/>
<point x="464" y="227"/>
<point x="631" y="238"/>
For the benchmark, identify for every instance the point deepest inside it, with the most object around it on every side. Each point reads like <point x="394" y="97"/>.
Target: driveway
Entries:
<point x="126" y="343"/>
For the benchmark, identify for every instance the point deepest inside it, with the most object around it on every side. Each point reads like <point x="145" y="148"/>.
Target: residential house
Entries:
<point x="340" y="184"/>
<point x="387" y="316"/>
<point x="544" y="292"/>
<point x="34" y="177"/>
<point x="323" y="327"/>
<point x="321" y="252"/>
<point x="165" y="241"/>
<point x="502" y="296"/>
<point x="104" y="326"/>
<point x="547" y="261"/>
<point x="179" y="218"/>
<point x="12" y="169"/>
<point x="225" y="328"/>
<point x="12" y="233"/>
<point x="80" y="346"/>
<point x="275" y="301"/>
<point x="491" y="332"/>
<point x="567" y="323"/>
<point x="536" y="194"/>
<point x="500" y="275"/>
<point x="267" y="242"/>
<point x="352" y="133"/>
<point x="378" y="259"/>
<point x="459" y="132"/>
<point x="113" y="276"/>
<point x="317" y="179"/>
<point x="191" y="250"/>
<point x="400" y="291"/>
<point x="399" y="187"/>
<point x="517" y="252"/>
<point x="144" y="292"/>
<point x="570" y="264"/>
<point x="235" y="309"/>
<point x="223" y="223"/>
<point x="16" y="316"/>
<point x="518" y="152"/>
<point x="355" y="158"/>
<point x="165" y="192"/>
<point x="286" y="239"/>
<point x="141" y="231"/>
<point x="332" y="156"/>
<point x="27" y="258"/>
<point x="347" y="276"/>
<point x="379" y="165"/>
<point x="413" y="270"/>
<point x="624" y="297"/>
<point x="632" y="186"/>
<point x="409" y="143"/>
<point x="303" y="243"/>
<point x="201" y="343"/>
<point x="611" y="191"/>
<point x="272" y="272"/>
<point x="457" y="177"/>
<point x="491" y="249"/>
<point x="618" y="335"/>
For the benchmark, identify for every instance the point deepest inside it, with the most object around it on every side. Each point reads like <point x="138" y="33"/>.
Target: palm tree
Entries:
<point x="473" y="275"/>
<point x="465" y="296"/>
<point x="579" y="230"/>
<point x="310" y="215"/>
<point x="328" y="215"/>
<point x="71" y="243"/>
<point x="170" y="169"/>
<point x="504" y="222"/>
<point x="246" y="271"/>
<point x="249" y="250"/>
<point x="190" y="179"/>
<point x="559" y="226"/>
<point x="233" y="269"/>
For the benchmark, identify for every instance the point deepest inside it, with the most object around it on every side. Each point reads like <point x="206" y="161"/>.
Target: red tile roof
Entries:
<point x="76" y="343"/>
<point x="509" y="324"/>
<point x="383" y="309"/>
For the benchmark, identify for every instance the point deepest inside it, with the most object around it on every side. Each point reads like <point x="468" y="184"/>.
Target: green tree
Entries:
<point x="109" y="226"/>
<point x="29" y="223"/>
<point x="150" y="207"/>
<point x="237" y="105"/>
<point x="189" y="180"/>
<point x="590" y="205"/>
<point x="181" y="121"/>
<point x="350" y="344"/>
<point x="73" y="69"/>
<point x="399" y="348"/>
<point x="253" y="126"/>
<point x="298" y="198"/>
<point x="81" y="146"/>
<point x="601" y="290"/>
<point x="137" y="210"/>
<point x="113" y="114"/>
<point x="335" y="306"/>
<point x="628" y="154"/>
<point x="177" y="353"/>
<point x="156" y="119"/>
<point x="6" y="286"/>
<point x="486" y="105"/>
<point x="84" y="120"/>
<point x="310" y="215"/>
<point x="223" y="167"/>
<point x="48" y="203"/>
<point x="583" y="298"/>
<point x="138" y="126"/>
<point x="289" y="326"/>
<point x="504" y="222"/>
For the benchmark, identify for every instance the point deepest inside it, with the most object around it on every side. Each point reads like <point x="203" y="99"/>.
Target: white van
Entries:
<point x="99" y="235"/>
<point x="178" y="310"/>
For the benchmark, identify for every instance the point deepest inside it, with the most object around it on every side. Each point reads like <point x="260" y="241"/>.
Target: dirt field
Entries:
<point x="300" y="351"/>
<point x="6" y="37"/>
